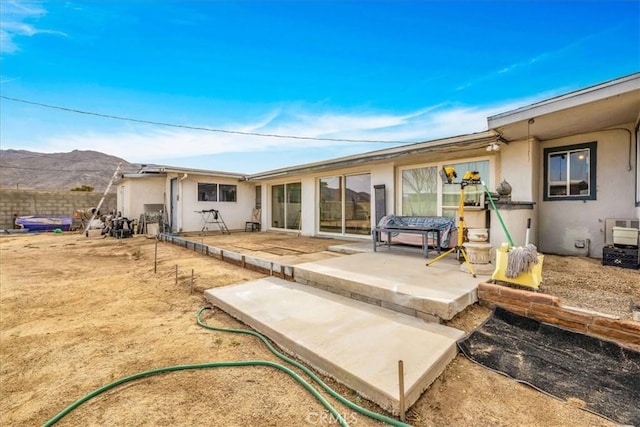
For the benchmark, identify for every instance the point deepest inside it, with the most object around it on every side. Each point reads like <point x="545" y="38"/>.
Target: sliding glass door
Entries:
<point x="293" y="206"/>
<point x="331" y="204"/>
<point x="357" y="209"/>
<point x="286" y="206"/>
<point x="345" y="204"/>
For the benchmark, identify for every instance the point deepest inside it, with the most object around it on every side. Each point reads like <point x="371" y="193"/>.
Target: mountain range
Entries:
<point x="21" y="169"/>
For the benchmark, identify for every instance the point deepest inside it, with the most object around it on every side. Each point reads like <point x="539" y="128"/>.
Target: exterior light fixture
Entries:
<point x="493" y="147"/>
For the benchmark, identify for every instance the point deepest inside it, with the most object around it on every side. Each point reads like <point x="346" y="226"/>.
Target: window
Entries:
<point x="216" y="192"/>
<point x="473" y="194"/>
<point x="258" y="204"/>
<point x="227" y="193"/>
<point x="331" y="204"/>
<point x="357" y="209"/>
<point x="422" y="196"/>
<point x="285" y="206"/>
<point x="207" y="192"/>
<point x="420" y="191"/>
<point x="570" y="172"/>
<point x="345" y="204"/>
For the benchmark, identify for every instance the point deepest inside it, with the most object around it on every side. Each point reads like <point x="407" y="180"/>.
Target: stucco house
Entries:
<point x="572" y="163"/>
<point x="181" y="194"/>
<point x="576" y="156"/>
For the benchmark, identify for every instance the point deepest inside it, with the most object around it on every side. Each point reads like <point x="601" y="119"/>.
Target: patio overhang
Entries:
<point x="474" y="140"/>
<point x="151" y="170"/>
<point x="598" y="107"/>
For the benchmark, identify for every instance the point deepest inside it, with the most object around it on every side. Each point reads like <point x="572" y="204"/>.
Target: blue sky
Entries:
<point x="358" y="70"/>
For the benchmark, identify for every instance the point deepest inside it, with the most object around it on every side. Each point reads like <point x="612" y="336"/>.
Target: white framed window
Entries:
<point x="212" y="192"/>
<point x="424" y="195"/>
<point x="570" y="172"/>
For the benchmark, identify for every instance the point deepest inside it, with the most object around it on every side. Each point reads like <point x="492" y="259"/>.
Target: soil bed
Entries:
<point x="78" y="313"/>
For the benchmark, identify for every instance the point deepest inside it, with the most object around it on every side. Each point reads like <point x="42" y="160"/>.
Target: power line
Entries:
<point x="236" y="132"/>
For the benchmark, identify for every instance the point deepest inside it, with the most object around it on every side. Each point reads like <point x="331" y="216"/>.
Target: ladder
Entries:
<point x="212" y="216"/>
<point x="97" y="209"/>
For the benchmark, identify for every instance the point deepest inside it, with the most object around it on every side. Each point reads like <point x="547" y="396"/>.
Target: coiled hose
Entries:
<point x="283" y="368"/>
<point x="307" y="371"/>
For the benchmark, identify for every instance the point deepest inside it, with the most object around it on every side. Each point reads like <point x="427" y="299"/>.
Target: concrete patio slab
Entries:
<point x="356" y="343"/>
<point x="399" y="281"/>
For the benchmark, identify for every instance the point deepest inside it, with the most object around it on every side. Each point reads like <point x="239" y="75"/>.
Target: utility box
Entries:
<point x="624" y="237"/>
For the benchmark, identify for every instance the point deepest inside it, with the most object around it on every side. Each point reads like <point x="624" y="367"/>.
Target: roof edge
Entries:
<point x="387" y="153"/>
<point x="171" y="169"/>
<point x="589" y="94"/>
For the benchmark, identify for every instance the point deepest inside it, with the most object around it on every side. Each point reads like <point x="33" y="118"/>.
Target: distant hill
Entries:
<point x="21" y="169"/>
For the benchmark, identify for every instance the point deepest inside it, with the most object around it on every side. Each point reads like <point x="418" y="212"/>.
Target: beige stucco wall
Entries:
<point x="234" y="214"/>
<point x="380" y="174"/>
<point x="564" y="222"/>
<point x="388" y="174"/>
<point x="134" y="193"/>
<point x="517" y="168"/>
<point x="519" y="165"/>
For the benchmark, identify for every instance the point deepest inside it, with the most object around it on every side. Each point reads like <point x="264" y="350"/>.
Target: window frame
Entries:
<point x="214" y="191"/>
<point x="344" y="215"/>
<point x="567" y="150"/>
<point x="229" y="194"/>
<point x="229" y="189"/>
<point x="469" y="163"/>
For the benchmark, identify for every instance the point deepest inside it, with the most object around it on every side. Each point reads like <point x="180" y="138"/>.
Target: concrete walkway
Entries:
<point x="399" y="281"/>
<point x="356" y="343"/>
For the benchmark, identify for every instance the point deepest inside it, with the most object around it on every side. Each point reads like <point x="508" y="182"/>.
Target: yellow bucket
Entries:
<point x="531" y="279"/>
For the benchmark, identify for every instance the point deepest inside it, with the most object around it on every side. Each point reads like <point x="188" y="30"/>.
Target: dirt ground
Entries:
<point x="78" y="313"/>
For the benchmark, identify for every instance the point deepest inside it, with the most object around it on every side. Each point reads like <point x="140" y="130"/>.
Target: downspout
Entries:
<point x="637" y="130"/>
<point x="181" y="204"/>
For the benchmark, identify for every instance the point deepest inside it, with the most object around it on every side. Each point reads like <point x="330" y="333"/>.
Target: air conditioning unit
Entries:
<point x="610" y="223"/>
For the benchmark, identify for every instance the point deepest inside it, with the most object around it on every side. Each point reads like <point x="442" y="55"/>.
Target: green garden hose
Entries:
<point x="307" y="371"/>
<point x="283" y="368"/>
<point x="493" y="205"/>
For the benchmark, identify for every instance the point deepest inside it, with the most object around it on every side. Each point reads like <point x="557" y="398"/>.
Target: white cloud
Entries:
<point x="148" y="144"/>
<point x="14" y="23"/>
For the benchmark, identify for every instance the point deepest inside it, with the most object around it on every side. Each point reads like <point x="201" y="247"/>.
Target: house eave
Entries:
<point x="572" y="99"/>
<point x="176" y="170"/>
<point x="466" y="140"/>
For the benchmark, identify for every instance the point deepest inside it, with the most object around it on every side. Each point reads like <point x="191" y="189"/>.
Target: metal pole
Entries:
<point x="155" y="258"/>
<point x="104" y="195"/>
<point x="176" y="274"/>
